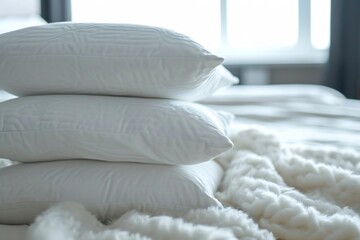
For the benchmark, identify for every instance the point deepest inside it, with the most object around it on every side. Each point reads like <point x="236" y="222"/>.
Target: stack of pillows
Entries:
<point x="105" y="116"/>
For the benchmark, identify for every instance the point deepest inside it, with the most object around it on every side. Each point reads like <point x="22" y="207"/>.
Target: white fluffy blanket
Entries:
<point x="272" y="190"/>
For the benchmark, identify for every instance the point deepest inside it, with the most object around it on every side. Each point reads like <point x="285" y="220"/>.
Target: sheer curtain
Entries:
<point x="343" y="67"/>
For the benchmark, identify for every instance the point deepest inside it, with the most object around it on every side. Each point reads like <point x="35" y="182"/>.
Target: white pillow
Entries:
<point x="106" y="189"/>
<point x="108" y="59"/>
<point x="51" y="127"/>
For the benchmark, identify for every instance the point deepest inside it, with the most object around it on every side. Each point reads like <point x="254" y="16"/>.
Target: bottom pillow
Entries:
<point x="107" y="189"/>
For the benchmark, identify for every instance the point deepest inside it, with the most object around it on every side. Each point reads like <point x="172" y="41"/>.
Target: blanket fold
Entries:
<point x="271" y="190"/>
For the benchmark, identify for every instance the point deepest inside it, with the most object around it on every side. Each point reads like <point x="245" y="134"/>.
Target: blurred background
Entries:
<point x="262" y="41"/>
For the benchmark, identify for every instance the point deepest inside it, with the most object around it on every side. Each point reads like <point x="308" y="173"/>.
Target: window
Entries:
<point x="199" y="19"/>
<point x="17" y="14"/>
<point x="242" y="31"/>
<point x="254" y="24"/>
<point x="320" y="24"/>
<point x="19" y="8"/>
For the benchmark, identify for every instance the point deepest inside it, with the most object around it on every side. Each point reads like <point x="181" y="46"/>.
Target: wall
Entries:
<point x="279" y="73"/>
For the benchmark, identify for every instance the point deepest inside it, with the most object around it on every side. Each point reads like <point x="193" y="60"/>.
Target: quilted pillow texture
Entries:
<point x="107" y="189"/>
<point x="159" y="131"/>
<point x="108" y="59"/>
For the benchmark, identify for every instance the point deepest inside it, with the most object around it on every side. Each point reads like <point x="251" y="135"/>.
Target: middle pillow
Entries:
<point x="53" y="127"/>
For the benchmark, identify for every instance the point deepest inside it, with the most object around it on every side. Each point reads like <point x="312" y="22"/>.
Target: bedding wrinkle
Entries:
<point x="338" y="185"/>
<point x="279" y="206"/>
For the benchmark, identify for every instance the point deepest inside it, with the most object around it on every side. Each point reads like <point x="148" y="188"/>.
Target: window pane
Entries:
<point x="320" y="23"/>
<point x="262" y="23"/>
<point x="19" y="8"/>
<point x="199" y="19"/>
<point x="17" y="14"/>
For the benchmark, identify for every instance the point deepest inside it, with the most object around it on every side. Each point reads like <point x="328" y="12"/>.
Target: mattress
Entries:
<point x="310" y="115"/>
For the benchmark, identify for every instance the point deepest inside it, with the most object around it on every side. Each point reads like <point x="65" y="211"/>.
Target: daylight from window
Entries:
<point x="320" y="24"/>
<point x="262" y="23"/>
<point x="226" y="26"/>
<point x="182" y="16"/>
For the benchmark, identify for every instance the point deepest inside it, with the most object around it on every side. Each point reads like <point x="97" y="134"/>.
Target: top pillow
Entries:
<point x="108" y="59"/>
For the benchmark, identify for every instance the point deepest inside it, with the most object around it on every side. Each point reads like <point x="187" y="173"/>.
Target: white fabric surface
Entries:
<point x="243" y="94"/>
<point x="13" y="232"/>
<point x="108" y="59"/>
<point x="297" y="113"/>
<point x="272" y="190"/>
<point x="107" y="189"/>
<point x="295" y="165"/>
<point x="117" y="129"/>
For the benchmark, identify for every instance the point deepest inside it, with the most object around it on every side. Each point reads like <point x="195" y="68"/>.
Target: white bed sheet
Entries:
<point x="309" y="114"/>
<point x="297" y="113"/>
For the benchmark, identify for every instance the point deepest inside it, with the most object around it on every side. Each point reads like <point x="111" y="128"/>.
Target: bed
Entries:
<point x="293" y="174"/>
<point x="147" y="136"/>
